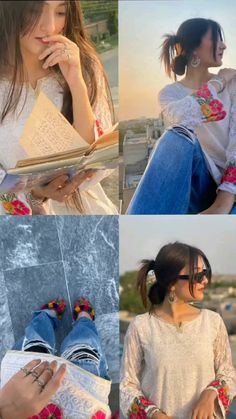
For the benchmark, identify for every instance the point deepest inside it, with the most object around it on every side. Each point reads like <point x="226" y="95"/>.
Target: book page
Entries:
<point x="47" y="131"/>
<point x="81" y="393"/>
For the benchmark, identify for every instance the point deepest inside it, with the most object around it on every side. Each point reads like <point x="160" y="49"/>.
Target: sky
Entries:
<point x="141" y="237"/>
<point x="141" y="27"/>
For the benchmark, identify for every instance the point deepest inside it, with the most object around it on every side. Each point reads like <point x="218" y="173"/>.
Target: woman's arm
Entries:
<point x="225" y="380"/>
<point x="194" y="109"/>
<point x="132" y="400"/>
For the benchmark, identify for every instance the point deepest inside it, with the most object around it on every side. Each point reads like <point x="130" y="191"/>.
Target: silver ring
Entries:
<point x="40" y="382"/>
<point x="35" y="374"/>
<point x="27" y="372"/>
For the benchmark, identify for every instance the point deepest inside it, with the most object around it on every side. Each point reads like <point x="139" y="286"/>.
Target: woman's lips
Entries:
<point x="41" y="40"/>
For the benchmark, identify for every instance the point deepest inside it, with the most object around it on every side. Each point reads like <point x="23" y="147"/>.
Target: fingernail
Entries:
<point x="63" y="366"/>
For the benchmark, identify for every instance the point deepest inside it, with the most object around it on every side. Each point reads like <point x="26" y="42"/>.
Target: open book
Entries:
<point x="81" y="394"/>
<point x="54" y="148"/>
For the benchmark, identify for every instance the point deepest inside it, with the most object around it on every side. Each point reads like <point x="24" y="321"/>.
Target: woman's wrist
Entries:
<point x="218" y="83"/>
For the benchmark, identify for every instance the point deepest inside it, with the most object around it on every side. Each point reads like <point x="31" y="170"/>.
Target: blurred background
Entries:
<point x="142" y="237"/>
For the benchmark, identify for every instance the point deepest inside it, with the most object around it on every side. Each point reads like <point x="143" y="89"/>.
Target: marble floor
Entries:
<point x="44" y="257"/>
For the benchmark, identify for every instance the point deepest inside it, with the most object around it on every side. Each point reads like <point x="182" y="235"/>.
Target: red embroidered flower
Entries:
<point x="229" y="175"/>
<point x="99" y="128"/>
<point x="216" y="106"/>
<point x="204" y="91"/>
<point x="138" y="415"/>
<point x="16" y="207"/>
<point x="146" y="402"/>
<point x="220" y="116"/>
<point x="99" y="415"/>
<point x="51" y="411"/>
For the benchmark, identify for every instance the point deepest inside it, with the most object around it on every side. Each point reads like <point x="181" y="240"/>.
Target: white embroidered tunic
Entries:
<point x="181" y="105"/>
<point x="171" y="367"/>
<point x="93" y="197"/>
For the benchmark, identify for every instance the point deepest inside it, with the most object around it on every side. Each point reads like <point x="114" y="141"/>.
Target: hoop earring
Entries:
<point x="195" y="61"/>
<point x="172" y="298"/>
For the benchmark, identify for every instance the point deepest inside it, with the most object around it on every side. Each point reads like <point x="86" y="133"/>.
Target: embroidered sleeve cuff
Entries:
<point x="142" y="408"/>
<point x="98" y="130"/>
<point x="223" y="392"/>
<point x="212" y="108"/>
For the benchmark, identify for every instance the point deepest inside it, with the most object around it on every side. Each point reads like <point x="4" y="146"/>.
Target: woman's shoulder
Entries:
<point x="212" y="316"/>
<point x="139" y="321"/>
<point x="172" y="89"/>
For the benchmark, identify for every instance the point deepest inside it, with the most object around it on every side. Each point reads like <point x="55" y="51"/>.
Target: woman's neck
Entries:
<point x="33" y="69"/>
<point x="176" y="311"/>
<point x="195" y="77"/>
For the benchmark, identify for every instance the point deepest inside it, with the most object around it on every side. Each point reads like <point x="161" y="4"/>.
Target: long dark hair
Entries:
<point x="18" y="18"/>
<point x="170" y="260"/>
<point x="177" y="49"/>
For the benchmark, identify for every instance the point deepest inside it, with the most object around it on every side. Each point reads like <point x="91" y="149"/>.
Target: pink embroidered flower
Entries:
<point x="99" y="415"/>
<point x="229" y="175"/>
<point x="99" y="128"/>
<point x="216" y="106"/>
<point x="204" y="91"/>
<point x="51" y="411"/>
<point x="146" y="402"/>
<point x="220" y="116"/>
<point x="16" y="207"/>
<point x="138" y="415"/>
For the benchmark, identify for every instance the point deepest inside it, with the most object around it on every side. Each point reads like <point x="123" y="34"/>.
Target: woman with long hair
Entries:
<point x="44" y="46"/>
<point x="177" y="359"/>
<point x="193" y="167"/>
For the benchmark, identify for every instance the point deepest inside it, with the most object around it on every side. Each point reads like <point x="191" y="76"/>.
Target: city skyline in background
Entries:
<point x="141" y="27"/>
<point x="142" y="237"/>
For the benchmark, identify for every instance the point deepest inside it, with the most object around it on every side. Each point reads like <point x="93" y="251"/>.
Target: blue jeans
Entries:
<point x="81" y="346"/>
<point x="176" y="179"/>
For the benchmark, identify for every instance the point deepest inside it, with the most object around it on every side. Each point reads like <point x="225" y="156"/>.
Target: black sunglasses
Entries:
<point x="197" y="277"/>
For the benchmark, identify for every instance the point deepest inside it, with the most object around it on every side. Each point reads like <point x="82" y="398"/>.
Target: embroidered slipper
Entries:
<point x="58" y="305"/>
<point x="83" y="305"/>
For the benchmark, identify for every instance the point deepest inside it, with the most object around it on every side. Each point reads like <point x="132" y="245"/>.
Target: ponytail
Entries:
<point x="172" y="55"/>
<point x="146" y="266"/>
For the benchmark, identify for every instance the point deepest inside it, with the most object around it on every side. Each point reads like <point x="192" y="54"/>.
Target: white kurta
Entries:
<point x="93" y="197"/>
<point x="218" y="139"/>
<point x="172" y="367"/>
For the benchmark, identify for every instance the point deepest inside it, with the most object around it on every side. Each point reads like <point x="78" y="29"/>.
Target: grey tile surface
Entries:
<point x="46" y="257"/>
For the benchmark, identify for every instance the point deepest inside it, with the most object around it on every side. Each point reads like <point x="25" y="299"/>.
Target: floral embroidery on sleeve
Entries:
<point x="230" y="173"/>
<point x="142" y="408"/>
<point x="223" y="392"/>
<point x="13" y="206"/>
<point x="99" y="128"/>
<point x="51" y="411"/>
<point x="99" y="415"/>
<point x="211" y="108"/>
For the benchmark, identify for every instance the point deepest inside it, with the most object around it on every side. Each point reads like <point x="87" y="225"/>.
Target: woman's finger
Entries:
<point x="52" y="48"/>
<point x="59" y="182"/>
<point x="48" y="372"/>
<point x="37" y="371"/>
<point x="59" y="38"/>
<point x="58" y="56"/>
<point x="53" y="385"/>
<point x="28" y="367"/>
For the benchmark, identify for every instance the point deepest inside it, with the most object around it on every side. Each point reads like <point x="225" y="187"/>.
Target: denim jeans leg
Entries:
<point x="82" y="347"/>
<point x="40" y="332"/>
<point x="176" y="180"/>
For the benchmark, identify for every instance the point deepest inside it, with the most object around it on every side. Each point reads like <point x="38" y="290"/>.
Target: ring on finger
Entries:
<point x="27" y="372"/>
<point x="40" y="382"/>
<point x="35" y="374"/>
<point x="49" y="369"/>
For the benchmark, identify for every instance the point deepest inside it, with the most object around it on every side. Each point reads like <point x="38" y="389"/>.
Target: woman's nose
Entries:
<point x="205" y="280"/>
<point x="48" y="24"/>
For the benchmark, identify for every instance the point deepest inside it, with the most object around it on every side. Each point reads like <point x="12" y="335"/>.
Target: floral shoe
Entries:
<point x="58" y="305"/>
<point x="83" y="305"/>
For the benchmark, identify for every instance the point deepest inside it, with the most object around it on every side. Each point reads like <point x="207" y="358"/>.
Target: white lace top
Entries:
<point x="213" y="118"/>
<point x="172" y="366"/>
<point x="93" y="197"/>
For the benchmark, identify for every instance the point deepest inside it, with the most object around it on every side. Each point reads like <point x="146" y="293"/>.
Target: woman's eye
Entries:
<point x="61" y="13"/>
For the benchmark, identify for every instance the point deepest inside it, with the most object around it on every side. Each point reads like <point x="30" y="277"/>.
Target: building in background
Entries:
<point x="139" y="139"/>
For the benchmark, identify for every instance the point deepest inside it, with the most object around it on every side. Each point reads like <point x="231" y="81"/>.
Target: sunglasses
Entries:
<point x="197" y="277"/>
